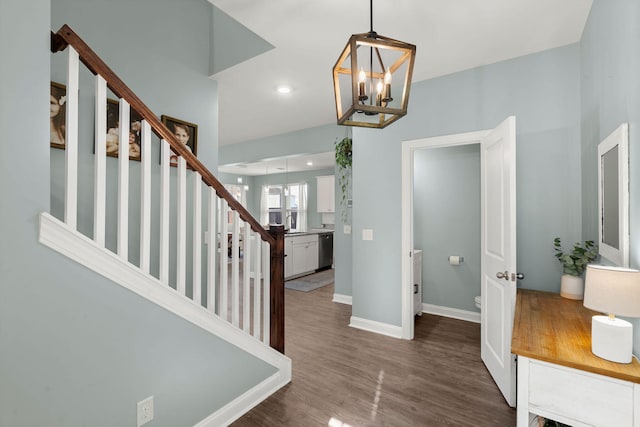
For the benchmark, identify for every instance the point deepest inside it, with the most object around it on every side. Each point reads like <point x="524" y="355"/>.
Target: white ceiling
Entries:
<point x="308" y="36"/>
<point x="289" y="164"/>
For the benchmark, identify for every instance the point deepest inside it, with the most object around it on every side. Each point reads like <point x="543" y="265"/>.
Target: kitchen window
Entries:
<point x="285" y="205"/>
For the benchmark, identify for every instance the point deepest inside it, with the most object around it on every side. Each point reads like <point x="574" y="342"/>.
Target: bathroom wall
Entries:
<point x="446" y="221"/>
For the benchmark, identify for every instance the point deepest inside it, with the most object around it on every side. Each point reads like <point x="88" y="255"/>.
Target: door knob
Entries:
<point x="517" y="276"/>
<point x="501" y="275"/>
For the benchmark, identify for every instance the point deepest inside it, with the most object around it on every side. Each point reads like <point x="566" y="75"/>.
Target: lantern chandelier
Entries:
<point x="372" y="79"/>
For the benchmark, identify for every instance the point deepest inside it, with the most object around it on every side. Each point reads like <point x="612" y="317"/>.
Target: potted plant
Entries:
<point x="343" y="161"/>
<point x="574" y="263"/>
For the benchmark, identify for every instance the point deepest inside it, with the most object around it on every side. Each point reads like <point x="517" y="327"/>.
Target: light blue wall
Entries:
<point x="307" y="141"/>
<point x="446" y="221"/>
<point x="76" y="348"/>
<point x="245" y="45"/>
<point x="542" y="91"/>
<point x="168" y="69"/>
<point x="610" y="89"/>
<point x="161" y="51"/>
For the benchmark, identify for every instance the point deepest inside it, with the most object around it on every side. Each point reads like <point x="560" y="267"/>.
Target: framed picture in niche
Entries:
<point x="185" y="132"/>
<point x="58" y="114"/>
<point x="113" y="130"/>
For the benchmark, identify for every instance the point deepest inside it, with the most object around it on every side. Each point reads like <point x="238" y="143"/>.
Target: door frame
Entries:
<point x="408" y="150"/>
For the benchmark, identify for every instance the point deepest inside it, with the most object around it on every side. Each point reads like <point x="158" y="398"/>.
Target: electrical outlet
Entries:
<point x="145" y="411"/>
<point x="347" y="229"/>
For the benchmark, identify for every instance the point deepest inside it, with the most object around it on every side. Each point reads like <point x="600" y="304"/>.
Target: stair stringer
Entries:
<point x="58" y="236"/>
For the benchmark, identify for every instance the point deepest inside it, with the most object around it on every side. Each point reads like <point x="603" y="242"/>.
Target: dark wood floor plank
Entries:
<point x="364" y="379"/>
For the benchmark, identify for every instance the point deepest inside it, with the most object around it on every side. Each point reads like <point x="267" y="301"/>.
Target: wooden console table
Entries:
<point x="558" y="376"/>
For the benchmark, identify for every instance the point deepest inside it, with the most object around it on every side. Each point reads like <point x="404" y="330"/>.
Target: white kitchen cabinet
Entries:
<point x="417" y="281"/>
<point x="326" y="193"/>
<point x="302" y="255"/>
<point x="288" y="253"/>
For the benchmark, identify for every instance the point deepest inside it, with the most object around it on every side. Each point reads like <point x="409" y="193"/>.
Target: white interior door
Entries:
<point x="498" y="259"/>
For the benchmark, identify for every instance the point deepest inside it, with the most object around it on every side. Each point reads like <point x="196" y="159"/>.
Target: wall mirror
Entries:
<point x="613" y="196"/>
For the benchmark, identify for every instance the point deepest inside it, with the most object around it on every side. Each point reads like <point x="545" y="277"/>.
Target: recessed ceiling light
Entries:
<point x="283" y="89"/>
<point x="309" y="163"/>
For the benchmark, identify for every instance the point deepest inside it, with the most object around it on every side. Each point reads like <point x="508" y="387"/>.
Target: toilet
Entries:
<point x="478" y="302"/>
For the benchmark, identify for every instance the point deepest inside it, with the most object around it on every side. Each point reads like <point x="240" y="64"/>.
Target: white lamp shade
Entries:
<point x="612" y="290"/>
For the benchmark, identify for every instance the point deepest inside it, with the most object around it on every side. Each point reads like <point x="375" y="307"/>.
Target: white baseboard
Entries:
<point x="342" y="299"/>
<point x="59" y="237"/>
<point x="454" y="313"/>
<point x="377" y="327"/>
<point x="245" y="402"/>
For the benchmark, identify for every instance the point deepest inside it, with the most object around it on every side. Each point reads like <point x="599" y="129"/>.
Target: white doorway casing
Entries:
<point x="408" y="149"/>
<point x="498" y="222"/>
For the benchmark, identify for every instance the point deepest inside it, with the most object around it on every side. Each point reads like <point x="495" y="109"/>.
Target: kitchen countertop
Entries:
<point x="306" y="233"/>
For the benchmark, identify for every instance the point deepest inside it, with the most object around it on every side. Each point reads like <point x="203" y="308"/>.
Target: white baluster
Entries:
<point x="145" y="199"/>
<point x="100" y="161"/>
<point x="224" y="272"/>
<point x="197" y="238"/>
<point x="257" y="288"/>
<point x="266" y="293"/>
<point x="181" y="268"/>
<point x="165" y="192"/>
<point x="246" y="279"/>
<point x="71" y="140"/>
<point x="123" y="181"/>
<point x="235" y="270"/>
<point x="212" y="245"/>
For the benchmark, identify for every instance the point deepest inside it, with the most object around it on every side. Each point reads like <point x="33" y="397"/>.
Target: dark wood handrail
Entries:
<point x="66" y="36"/>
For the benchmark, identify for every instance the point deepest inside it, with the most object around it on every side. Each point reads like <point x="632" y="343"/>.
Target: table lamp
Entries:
<point x="615" y="291"/>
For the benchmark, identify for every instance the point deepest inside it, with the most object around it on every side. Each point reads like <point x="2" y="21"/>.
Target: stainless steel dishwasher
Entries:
<point x="325" y="250"/>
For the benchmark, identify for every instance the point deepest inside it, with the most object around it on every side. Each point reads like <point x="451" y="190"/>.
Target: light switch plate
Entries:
<point x="367" y="234"/>
<point x="347" y="229"/>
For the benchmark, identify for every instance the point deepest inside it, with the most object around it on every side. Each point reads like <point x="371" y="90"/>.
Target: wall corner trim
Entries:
<point x="454" y="313"/>
<point x="376" y="327"/>
<point x="342" y="299"/>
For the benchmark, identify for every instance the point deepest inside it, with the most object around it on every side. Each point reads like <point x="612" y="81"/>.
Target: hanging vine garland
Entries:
<point x="343" y="160"/>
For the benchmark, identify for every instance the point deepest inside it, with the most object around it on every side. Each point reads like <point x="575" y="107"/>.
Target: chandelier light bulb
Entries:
<point x="362" y="96"/>
<point x="387" y="87"/>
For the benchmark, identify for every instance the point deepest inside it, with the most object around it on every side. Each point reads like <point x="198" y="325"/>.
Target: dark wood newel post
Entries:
<point x="277" y="288"/>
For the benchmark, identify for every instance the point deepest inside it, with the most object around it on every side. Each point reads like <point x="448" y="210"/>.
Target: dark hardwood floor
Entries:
<point x="347" y="377"/>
